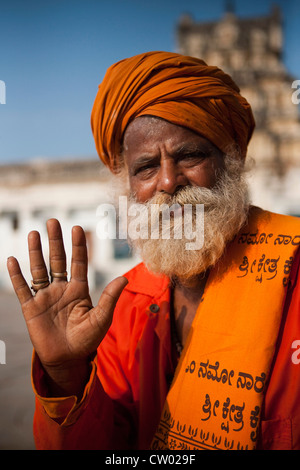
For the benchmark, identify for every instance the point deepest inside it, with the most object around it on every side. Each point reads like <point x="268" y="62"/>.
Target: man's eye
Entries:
<point x="144" y="170"/>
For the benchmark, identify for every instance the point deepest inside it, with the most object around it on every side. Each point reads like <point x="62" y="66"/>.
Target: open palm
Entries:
<point x="63" y="324"/>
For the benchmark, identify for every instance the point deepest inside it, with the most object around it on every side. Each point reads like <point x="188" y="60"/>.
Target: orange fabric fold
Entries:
<point x="180" y="89"/>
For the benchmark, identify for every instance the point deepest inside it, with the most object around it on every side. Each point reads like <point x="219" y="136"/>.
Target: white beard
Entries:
<point x="226" y="209"/>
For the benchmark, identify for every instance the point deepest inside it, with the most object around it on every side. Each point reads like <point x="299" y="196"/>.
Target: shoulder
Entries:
<point x="256" y="213"/>
<point x="280" y="225"/>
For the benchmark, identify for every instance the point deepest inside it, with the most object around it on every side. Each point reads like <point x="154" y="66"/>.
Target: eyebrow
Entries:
<point x="192" y="148"/>
<point x="184" y="149"/>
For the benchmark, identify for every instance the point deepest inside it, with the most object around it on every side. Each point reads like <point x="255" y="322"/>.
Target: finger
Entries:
<point x="19" y="284"/>
<point x="37" y="263"/>
<point x="108" y="300"/>
<point x="79" y="263"/>
<point x="57" y="254"/>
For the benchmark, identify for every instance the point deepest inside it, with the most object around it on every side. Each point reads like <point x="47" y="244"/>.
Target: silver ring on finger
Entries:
<point x="63" y="276"/>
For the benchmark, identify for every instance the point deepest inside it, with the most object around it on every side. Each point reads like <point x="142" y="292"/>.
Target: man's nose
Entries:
<point x="170" y="177"/>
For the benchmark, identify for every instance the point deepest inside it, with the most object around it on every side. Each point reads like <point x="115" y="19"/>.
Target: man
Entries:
<point x="200" y="351"/>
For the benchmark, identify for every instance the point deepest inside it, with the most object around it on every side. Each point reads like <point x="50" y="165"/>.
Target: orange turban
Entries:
<point x="182" y="90"/>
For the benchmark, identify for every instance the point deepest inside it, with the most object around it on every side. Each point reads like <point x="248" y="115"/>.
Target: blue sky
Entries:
<point x="55" y="53"/>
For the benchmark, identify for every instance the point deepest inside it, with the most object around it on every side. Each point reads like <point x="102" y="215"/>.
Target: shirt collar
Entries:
<point x="142" y="281"/>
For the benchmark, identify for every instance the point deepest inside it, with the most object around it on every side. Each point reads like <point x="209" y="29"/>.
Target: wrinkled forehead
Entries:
<point x="147" y="125"/>
<point x="148" y="132"/>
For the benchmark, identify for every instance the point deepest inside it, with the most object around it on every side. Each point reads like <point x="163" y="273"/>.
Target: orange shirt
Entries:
<point x="122" y="402"/>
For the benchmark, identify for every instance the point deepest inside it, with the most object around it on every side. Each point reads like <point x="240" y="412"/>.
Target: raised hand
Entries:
<point x="63" y="325"/>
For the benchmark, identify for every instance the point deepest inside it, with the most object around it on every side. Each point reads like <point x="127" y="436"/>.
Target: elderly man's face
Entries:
<point x="163" y="157"/>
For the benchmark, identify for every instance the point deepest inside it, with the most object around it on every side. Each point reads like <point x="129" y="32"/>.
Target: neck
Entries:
<point x="191" y="288"/>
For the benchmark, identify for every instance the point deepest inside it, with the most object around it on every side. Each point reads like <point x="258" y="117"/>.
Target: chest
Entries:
<point x="184" y="308"/>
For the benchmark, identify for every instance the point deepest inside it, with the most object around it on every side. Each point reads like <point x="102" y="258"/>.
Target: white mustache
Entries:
<point x="187" y="195"/>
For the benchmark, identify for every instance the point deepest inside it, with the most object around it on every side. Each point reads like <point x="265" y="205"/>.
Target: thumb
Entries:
<point x="108" y="300"/>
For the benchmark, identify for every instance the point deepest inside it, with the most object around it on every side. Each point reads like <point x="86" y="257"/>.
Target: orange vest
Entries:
<point x="217" y="393"/>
